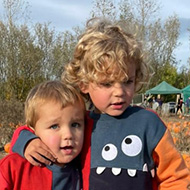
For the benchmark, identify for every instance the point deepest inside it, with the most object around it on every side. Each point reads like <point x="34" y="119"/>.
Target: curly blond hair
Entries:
<point x="105" y="50"/>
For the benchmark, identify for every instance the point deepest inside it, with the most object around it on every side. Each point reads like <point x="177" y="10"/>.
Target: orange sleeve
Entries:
<point x="172" y="173"/>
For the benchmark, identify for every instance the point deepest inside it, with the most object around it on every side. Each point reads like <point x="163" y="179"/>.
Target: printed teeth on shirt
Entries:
<point x="131" y="172"/>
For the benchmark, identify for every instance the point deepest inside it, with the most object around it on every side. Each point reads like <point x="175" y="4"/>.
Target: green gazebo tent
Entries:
<point x="164" y="88"/>
<point x="186" y="92"/>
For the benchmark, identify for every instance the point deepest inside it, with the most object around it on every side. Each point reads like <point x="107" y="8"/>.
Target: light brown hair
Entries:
<point x="56" y="91"/>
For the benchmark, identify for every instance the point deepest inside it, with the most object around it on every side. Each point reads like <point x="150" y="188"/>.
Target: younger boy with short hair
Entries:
<point x="125" y="147"/>
<point x="55" y="112"/>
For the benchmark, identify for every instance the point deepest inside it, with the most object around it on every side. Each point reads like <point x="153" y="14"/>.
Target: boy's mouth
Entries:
<point x="117" y="105"/>
<point x="67" y="149"/>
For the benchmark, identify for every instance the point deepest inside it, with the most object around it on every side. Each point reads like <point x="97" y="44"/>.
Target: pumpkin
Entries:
<point x="176" y="129"/>
<point x="7" y="147"/>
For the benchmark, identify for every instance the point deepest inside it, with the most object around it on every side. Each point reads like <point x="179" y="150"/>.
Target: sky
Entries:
<point x="66" y="14"/>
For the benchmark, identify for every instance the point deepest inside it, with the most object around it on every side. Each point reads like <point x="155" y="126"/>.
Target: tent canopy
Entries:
<point x="164" y="88"/>
<point x="186" y="92"/>
<point x="186" y="89"/>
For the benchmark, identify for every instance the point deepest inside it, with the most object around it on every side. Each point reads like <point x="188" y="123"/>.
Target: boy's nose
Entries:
<point x="118" y="89"/>
<point x="67" y="134"/>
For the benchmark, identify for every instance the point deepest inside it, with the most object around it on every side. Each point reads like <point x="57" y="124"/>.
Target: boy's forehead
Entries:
<point x="117" y="70"/>
<point x="115" y="75"/>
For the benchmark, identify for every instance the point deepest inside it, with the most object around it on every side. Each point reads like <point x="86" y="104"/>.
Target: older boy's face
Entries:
<point x="61" y="129"/>
<point x="112" y="97"/>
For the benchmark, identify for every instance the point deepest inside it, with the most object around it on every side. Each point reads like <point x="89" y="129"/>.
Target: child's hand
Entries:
<point x="37" y="153"/>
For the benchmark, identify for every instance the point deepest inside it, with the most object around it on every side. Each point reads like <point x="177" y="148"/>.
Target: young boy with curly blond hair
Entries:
<point x="125" y="147"/>
<point x="56" y="113"/>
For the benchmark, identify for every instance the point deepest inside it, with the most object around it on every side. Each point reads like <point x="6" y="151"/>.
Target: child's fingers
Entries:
<point x="38" y="159"/>
<point x="46" y="156"/>
<point x="38" y="153"/>
<point x="47" y="153"/>
<point x="33" y="161"/>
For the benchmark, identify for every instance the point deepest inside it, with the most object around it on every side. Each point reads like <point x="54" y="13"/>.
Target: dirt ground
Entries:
<point x="2" y="154"/>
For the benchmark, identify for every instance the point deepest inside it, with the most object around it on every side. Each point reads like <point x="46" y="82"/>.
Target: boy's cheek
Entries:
<point x="51" y="141"/>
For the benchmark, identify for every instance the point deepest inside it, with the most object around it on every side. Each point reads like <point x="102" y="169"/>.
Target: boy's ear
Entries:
<point x="84" y="88"/>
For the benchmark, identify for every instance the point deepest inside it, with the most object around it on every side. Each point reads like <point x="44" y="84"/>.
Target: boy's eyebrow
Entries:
<point x="54" y="121"/>
<point x="131" y="77"/>
<point x="78" y="118"/>
<point x="81" y="121"/>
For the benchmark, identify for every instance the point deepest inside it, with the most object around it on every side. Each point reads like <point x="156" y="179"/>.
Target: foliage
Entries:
<point x="12" y="112"/>
<point x="5" y="135"/>
<point x="11" y="115"/>
<point x="29" y="56"/>
<point x="105" y="8"/>
<point x="183" y="78"/>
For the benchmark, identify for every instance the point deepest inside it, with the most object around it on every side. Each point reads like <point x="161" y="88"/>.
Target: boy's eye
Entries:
<point x="75" y="125"/>
<point x="128" y="82"/>
<point x="54" y="126"/>
<point x="106" y="84"/>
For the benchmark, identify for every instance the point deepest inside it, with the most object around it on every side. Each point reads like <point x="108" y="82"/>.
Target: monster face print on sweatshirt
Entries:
<point x="121" y="150"/>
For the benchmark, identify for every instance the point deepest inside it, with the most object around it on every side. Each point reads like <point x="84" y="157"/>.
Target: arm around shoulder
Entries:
<point x="16" y="135"/>
<point x="28" y="145"/>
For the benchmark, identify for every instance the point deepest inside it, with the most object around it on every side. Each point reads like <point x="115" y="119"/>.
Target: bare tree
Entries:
<point x="30" y="55"/>
<point x="105" y="8"/>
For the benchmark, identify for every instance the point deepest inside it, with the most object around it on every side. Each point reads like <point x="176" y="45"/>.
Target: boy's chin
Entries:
<point x="111" y="112"/>
<point x="62" y="162"/>
<point x="115" y="112"/>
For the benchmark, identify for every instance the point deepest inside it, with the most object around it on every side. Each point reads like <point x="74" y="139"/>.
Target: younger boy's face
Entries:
<point x="112" y="97"/>
<point x="61" y="129"/>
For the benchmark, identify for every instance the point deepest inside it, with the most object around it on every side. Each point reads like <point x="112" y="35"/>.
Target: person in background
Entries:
<point x="150" y="101"/>
<point x="125" y="147"/>
<point x="160" y="102"/>
<point x="187" y="105"/>
<point x="179" y="105"/>
<point x="55" y="112"/>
